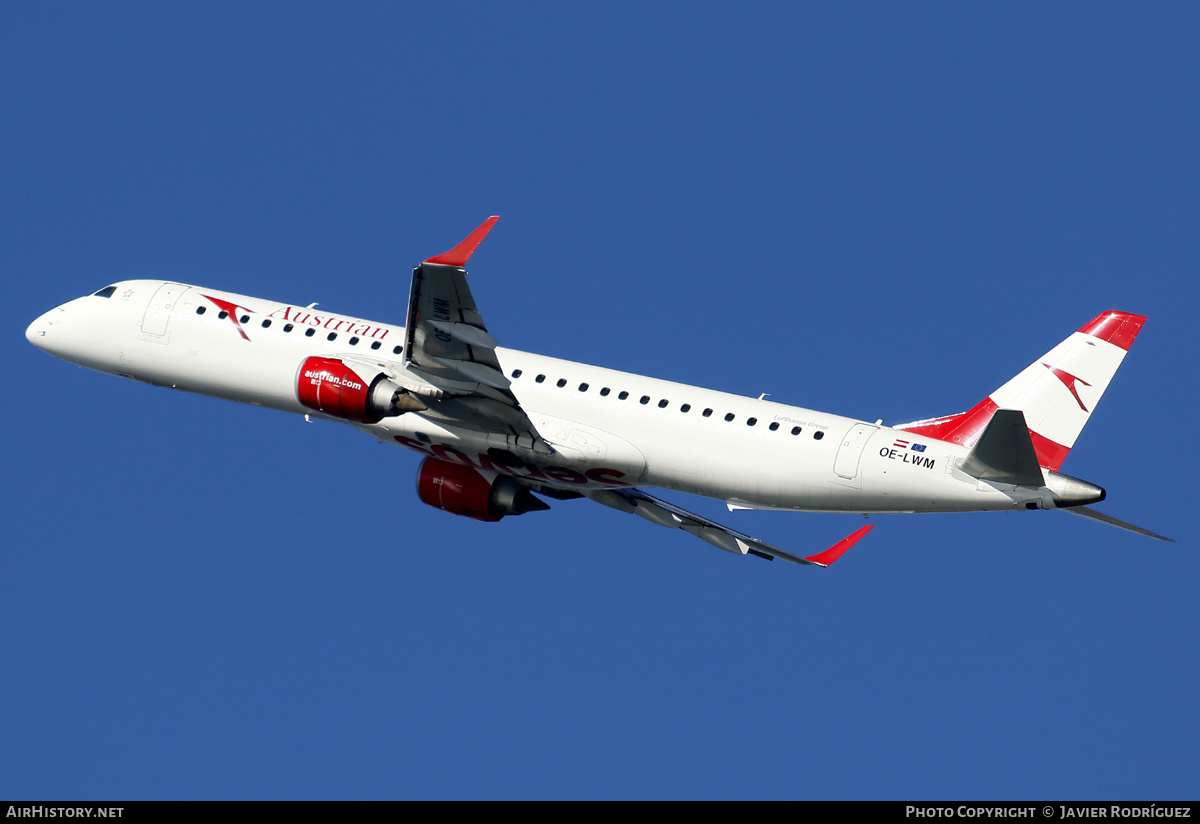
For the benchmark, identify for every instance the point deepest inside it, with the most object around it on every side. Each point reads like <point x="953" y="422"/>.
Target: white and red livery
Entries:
<point x="499" y="427"/>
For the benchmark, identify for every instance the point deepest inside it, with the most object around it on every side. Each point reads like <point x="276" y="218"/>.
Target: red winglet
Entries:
<point x="834" y="552"/>
<point x="459" y="254"/>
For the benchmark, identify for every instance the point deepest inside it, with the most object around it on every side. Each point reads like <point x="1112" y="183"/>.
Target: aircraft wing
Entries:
<point x="665" y="514"/>
<point x="447" y="346"/>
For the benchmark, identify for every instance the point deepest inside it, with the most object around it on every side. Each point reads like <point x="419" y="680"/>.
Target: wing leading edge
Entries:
<point x="658" y="511"/>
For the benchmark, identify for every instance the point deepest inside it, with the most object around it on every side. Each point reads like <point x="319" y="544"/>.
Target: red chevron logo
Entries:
<point x="232" y="310"/>
<point x="1069" y="381"/>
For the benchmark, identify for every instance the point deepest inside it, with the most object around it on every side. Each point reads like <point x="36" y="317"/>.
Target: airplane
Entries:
<point x="500" y="430"/>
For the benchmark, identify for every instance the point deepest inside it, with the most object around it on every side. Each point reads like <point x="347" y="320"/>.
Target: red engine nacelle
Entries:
<point x="330" y="386"/>
<point x="464" y="490"/>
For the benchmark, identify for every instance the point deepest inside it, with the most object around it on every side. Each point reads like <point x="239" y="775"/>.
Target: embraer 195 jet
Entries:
<point x="498" y="428"/>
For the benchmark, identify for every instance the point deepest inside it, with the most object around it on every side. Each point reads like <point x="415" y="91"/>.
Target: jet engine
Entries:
<point x="464" y="490"/>
<point x="335" y="388"/>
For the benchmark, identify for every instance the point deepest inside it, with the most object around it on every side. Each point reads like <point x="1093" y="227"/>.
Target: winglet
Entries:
<point x="459" y="254"/>
<point x="834" y="552"/>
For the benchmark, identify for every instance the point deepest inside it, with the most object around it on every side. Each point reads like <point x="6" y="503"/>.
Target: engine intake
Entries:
<point x="464" y="490"/>
<point x="331" y="386"/>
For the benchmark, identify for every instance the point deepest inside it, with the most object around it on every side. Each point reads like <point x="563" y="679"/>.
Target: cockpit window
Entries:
<point x="106" y="292"/>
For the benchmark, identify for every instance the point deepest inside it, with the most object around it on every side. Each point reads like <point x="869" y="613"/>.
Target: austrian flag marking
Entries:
<point x="903" y="451"/>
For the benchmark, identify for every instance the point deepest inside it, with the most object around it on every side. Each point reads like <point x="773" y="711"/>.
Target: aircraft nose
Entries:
<point x="78" y="333"/>
<point x="54" y="332"/>
<point x="36" y="333"/>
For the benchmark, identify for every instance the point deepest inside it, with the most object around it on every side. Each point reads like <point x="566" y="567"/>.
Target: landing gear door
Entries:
<point x="845" y="464"/>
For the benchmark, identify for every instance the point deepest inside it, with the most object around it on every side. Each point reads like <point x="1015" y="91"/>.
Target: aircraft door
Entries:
<point x="845" y="464"/>
<point x="159" y="310"/>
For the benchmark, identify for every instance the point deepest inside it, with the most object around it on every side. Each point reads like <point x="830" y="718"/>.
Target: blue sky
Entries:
<point x="879" y="210"/>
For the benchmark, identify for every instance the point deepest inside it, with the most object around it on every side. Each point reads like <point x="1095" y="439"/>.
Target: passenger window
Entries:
<point x="795" y="430"/>
<point x="332" y="336"/>
<point x="774" y="425"/>
<point x="604" y="391"/>
<point x="663" y="403"/>
<point x="685" y="407"/>
<point x="645" y="400"/>
<point x="540" y="378"/>
<point x="751" y="421"/>
<point x="583" y="387"/>
<point x="288" y="327"/>
<point x="374" y="345"/>
<point x="266" y="324"/>
<point x="308" y="333"/>
<point x="516" y="373"/>
<point x="729" y="416"/>
<point x="223" y="314"/>
<point x="244" y="318"/>
<point x="200" y="310"/>
<point x="354" y="341"/>
<point x="396" y="350"/>
<point x="561" y="383"/>
<point x="623" y="396"/>
<point x="818" y="435"/>
<point x="707" y="413"/>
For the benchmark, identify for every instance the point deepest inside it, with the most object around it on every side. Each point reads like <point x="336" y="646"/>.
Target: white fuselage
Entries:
<point x="608" y="429"/>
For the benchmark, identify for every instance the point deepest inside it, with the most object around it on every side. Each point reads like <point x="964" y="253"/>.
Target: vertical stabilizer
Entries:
<point x="1057" y="393"/>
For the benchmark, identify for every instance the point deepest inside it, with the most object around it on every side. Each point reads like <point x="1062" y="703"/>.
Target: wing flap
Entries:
<point x="475" y="371"/>
<point x="465" y="332"/>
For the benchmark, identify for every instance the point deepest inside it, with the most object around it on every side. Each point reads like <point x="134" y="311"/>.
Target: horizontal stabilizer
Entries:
<point x="1119" y="524"/>
<point x="1004" y="452"/>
